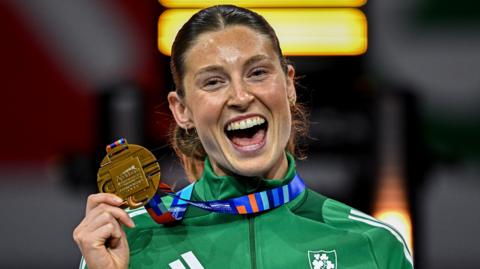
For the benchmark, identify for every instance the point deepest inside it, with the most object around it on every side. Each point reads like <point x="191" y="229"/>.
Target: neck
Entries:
<point x="279" y="169"/>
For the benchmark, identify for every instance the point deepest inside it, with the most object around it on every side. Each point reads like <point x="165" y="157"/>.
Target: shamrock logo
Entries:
<point x="322" y="259"/>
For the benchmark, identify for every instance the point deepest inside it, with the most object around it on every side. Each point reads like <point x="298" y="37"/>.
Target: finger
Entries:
<point x="99" y="220"/>
<point x="98" y="198"/>
<point x="116" y="236"/>
<point x="98" y="231"/>
<point x="102" y="234"/>
<point x="104" y="213"/>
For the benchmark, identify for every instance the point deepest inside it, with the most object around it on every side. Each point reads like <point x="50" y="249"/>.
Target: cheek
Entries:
<point x="206" y="111"/>
<point x="275" y="97"/>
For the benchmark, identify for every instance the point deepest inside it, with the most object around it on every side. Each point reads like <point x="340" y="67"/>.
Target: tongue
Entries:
<point x="249" y="140"/>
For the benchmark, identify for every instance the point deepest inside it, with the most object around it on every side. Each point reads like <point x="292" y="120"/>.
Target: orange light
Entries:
<point x="400" y="220"/>
<point x="256" y="3"/>
<point x="301" y="31"/>
<point x="391" y="205"/>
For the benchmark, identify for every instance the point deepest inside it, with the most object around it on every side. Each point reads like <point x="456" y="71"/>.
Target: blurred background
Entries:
<point x="393" y="90"/>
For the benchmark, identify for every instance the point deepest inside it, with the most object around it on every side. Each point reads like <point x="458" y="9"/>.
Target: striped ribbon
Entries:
<point x="117" y="143"/>
<point x="247" y="204"/>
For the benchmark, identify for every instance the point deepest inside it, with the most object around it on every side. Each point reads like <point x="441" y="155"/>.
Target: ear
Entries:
<point x="180" y="111"/>
<point x="291" y="91"/>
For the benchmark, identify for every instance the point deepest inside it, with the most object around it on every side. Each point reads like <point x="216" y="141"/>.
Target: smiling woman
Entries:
<point x="235" y="111"/>
<point x="233" y="79"/>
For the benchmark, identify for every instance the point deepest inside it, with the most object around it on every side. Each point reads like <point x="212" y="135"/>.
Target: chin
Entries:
<point x="255" y="166"/>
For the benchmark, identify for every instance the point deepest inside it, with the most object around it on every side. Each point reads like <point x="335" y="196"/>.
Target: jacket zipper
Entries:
<point x="253" y="251"/>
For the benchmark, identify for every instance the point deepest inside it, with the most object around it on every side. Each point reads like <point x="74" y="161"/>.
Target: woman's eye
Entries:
<point x="212" y="82"/>
<point x="258" y="73"/>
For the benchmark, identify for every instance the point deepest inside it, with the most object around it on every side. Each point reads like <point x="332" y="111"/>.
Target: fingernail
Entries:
<point x="118" y="200"/>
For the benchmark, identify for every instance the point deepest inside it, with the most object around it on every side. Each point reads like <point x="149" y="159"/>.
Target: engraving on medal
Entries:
<point x="131" y="172"/>
<point x="128" y="177"/>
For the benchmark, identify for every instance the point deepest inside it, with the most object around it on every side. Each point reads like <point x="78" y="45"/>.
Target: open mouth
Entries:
<point x="247" y="134"/>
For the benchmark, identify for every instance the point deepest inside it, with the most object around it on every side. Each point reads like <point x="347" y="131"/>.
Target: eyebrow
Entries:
<point x="219" y="68"/>
<point x="211" y="68"/>
<point x="256" y="58"/>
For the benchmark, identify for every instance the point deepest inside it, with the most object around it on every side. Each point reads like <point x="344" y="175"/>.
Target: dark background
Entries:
<point x="76" y="75"/>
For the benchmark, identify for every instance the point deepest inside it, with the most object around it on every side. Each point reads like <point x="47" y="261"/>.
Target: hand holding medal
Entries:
<point x="132" y="173"/>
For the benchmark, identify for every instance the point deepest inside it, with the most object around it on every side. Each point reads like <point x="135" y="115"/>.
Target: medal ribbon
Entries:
<point x="247" y="204"/>
<point x="115" y="144"/>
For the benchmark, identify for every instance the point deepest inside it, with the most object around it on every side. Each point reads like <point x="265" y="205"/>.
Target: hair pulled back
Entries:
<point x="186" y="143"/>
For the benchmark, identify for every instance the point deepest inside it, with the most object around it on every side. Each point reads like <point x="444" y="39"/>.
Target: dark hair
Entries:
<point x="214" y="19"/>
<point x="186" y="143"/>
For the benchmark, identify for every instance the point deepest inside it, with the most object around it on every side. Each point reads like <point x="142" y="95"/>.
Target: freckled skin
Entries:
<point x="233" y="86"/>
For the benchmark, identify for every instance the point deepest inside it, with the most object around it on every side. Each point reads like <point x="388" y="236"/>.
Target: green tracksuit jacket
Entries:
<point x="311" y="232"/>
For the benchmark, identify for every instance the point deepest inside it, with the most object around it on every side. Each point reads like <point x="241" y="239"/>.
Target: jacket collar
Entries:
<point x="213" y="187"/>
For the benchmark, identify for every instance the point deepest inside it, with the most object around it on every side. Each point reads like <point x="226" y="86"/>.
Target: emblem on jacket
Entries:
<point x="323" y="259"/>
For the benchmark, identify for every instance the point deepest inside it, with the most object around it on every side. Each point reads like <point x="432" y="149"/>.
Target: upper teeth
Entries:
<point x="246" y="123"/>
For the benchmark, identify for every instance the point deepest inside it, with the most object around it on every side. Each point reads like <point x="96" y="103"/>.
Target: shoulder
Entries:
<point x="388" y="245"/>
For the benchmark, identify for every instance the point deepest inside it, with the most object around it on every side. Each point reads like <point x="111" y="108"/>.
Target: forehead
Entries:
<point x="231" y="45"/>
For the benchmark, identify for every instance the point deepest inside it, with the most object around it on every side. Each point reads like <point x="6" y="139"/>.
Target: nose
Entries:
<point x="240" y="96"/>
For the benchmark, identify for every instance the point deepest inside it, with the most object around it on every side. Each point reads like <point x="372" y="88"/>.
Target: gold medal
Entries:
<point x="129" y="171"/>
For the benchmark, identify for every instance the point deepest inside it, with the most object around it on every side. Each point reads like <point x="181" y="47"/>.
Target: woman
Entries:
<point x="234" y="107"/>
